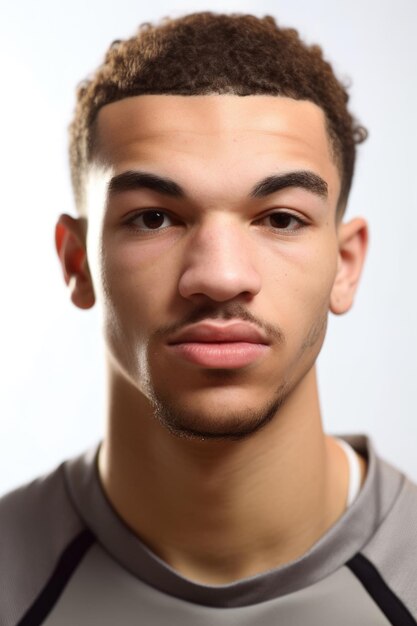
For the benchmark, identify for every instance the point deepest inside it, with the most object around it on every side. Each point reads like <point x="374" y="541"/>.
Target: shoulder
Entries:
<point x="37" y="523"/>
<point x="392" y="549"/>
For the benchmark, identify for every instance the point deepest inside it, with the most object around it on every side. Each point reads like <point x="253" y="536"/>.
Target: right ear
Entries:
<point x="70" y="243"/>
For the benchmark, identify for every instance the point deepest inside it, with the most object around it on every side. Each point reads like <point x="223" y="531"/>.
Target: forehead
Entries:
<point x="216" y="133"/>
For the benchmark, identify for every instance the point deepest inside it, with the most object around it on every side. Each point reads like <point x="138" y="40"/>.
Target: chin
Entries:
<point x="223" y="421"/>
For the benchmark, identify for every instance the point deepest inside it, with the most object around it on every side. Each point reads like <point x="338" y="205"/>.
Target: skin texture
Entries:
<point x="223" y="472"/>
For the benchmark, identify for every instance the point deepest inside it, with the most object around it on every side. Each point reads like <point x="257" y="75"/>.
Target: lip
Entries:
<point x="209" y="332"/>
<point x="219" y="346"/>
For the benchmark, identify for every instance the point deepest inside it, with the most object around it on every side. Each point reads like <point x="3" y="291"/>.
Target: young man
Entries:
<point x="212" y="158"/>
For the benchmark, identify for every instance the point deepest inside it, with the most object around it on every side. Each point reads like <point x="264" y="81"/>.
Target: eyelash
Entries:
<point x="129" y="223"/>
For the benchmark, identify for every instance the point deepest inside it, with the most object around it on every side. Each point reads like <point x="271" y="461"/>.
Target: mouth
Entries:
<point x="212" y="345"/>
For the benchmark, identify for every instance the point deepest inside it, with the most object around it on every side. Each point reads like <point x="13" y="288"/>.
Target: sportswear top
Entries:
<point x="67" y="559"/>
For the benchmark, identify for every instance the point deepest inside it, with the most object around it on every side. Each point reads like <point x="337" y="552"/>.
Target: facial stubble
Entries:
<point x="181" y="420"/>
<point x="235" y="425"/>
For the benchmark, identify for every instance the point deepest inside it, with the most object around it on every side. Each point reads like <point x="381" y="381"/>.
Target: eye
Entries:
<point x="283" y="220"/>
<point x="150" y="220"/>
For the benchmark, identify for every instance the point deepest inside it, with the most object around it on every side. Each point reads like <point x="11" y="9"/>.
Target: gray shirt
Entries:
<point x="67" y="559"/>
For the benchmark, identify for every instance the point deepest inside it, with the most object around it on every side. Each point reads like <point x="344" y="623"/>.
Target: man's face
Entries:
<point x="215" y="290"/>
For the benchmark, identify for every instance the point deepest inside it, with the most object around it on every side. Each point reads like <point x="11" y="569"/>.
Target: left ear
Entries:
<point x="353" y="243"/>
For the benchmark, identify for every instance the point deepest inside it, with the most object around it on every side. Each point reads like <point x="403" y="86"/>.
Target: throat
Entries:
<point x="245" y="514"/>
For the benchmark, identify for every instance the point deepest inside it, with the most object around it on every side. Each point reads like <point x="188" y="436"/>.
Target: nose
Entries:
<point x="219" y="263"/>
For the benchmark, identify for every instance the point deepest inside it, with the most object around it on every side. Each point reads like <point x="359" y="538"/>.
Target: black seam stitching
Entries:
<point x="389" y="603"/>
<point x="67" y="564"/>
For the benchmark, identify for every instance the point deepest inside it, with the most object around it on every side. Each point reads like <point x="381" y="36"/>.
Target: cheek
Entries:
<point x="137" y="288"/>
<point x="136" y="267"/>
<point x="300" y="278"/>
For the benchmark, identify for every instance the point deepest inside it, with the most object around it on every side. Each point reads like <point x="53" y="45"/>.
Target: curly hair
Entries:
<point x="209" y="53"/>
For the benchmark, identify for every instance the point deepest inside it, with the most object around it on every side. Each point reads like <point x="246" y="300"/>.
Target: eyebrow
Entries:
<point x="302" y="179"/>
<point x="134" y="180"/>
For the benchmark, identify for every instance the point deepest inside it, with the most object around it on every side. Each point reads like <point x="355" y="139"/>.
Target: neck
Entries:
<point x="218" y="511"/>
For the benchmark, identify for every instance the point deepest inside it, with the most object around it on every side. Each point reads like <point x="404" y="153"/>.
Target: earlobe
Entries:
<point x="353" y="243"/>
<point x="70" y="246"/>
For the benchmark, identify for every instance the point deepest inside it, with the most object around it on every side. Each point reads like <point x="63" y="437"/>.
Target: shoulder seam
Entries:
<point x="389" y="603"/>
<point x="67" y="564"/>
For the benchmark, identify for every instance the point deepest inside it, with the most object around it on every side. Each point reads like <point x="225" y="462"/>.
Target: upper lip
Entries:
<point x="212" y="332"/>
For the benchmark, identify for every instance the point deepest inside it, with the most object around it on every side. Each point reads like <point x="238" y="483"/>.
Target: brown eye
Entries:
<point x="282" y="220"/>
<point x="153" y="219"/>
<point x="150" y="220"/>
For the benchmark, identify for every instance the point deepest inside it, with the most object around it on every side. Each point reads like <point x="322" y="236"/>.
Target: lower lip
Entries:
<point x="220" y="355"/>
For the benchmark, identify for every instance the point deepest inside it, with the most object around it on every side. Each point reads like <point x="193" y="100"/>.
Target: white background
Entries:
<point x="51" y="376"/>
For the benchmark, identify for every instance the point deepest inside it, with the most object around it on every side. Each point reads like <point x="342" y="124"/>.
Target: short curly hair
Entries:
<point x="209" y="53"/>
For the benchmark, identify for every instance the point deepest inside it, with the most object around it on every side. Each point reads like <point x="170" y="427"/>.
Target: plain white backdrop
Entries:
<point x="52" y="394"/>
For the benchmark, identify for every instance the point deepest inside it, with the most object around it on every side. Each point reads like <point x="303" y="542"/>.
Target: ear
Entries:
<point x="70" y="237"/>
<point x="353" y="243"/>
